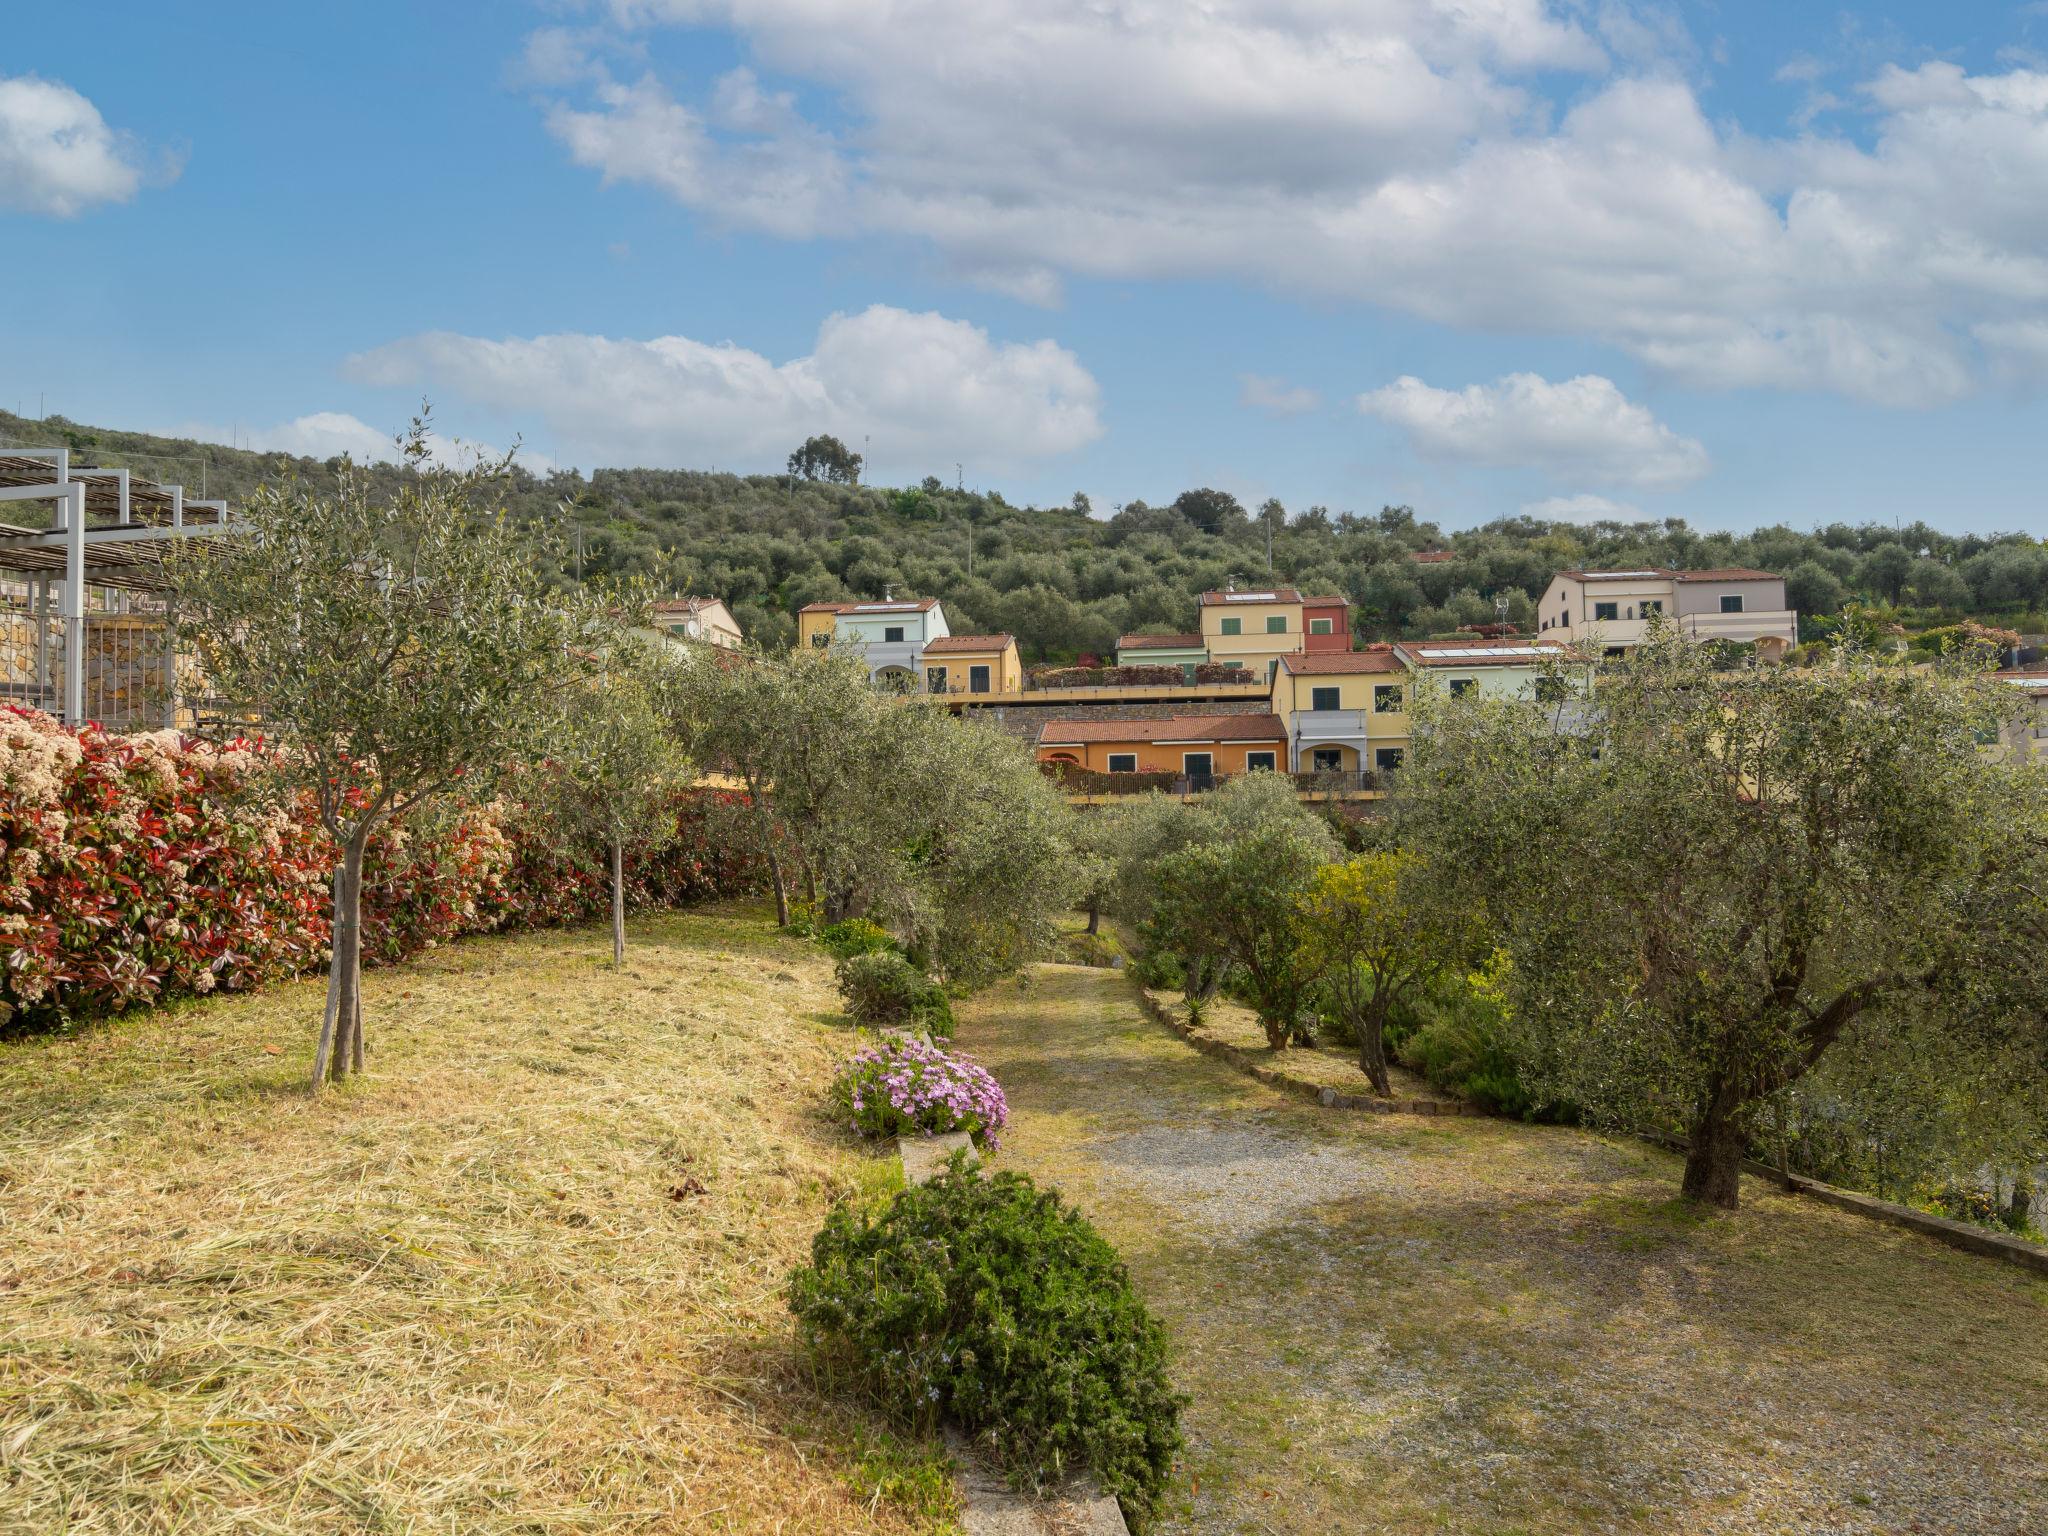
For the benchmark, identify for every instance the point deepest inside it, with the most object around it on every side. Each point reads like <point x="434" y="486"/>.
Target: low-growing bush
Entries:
<point x="987" y="1303"/>
<point x="903" y="1087"/>
<point x="1099" y="949"/>
<point x="855" y="936"/>
<point x="885" y="988"/>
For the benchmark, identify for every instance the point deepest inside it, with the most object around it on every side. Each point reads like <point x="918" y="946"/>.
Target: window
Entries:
<point x="1324" y="698"/>
<point x="1276" y="624"/>
<point x="1327" y="760"/>
<point x="1254" y="760"/>
<point x="1731" y="602"/>
<point x="1386" y="699"/>
<point x="1322" y="626"/>
<point x="935" y="679"/>
<point x="1233" y="626"/>
<point x="1123" y="762"/>
<point x="1198" y="765"/>
<point x="977" y="679"/>
<point x="1387" y="759"/>
<point x="1614" y="651"/>
<point x="1606" y="612"/>
<point x="1460" y="686"/>
<point x="821" y="639"/>
<point x="893" y="635"/>
<point x="1652" y="605"/>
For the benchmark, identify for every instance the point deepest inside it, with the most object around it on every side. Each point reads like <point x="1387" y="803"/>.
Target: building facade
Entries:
<point x="973" y="664"/>
<point x="704" y="619"/>
<point x="1343" y="712"/>
<point x="1199" y="748"/>
<point x="1184" y="651"/>
<point x="1610" y="611"/>
<point x="1254" y="628"/>
<point x="890" y="635"/>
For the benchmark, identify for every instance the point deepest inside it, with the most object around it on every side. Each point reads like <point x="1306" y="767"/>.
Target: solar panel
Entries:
<point x="1251" y="597"/>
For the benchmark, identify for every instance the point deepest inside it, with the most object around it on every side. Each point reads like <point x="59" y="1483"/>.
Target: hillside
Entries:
<point x="1065" y="582"/>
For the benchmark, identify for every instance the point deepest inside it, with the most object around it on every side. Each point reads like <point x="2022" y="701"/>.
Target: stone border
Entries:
<point x="1300" y="1087"/>
<point x="1957" y="1234"/>
<point x="989" y="1506"/>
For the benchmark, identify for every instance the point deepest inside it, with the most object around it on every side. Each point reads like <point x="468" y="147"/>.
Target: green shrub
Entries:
<point x="855" y="936"/>
<point x="884" y="988"/>
<point x="987" y="1303"/>
<point x="1093" y="949"/>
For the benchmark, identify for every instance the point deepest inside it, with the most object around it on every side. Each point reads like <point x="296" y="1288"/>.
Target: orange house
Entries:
<point x="1199" y="746"/>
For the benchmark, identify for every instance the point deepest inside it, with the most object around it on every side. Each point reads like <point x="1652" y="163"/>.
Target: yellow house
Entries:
<point x="1344" y="711"/>
<point x="1252" y="629"/>
<point x="973" y="664"/>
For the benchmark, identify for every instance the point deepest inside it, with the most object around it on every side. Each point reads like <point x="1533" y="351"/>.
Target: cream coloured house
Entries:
<point x="1609" y="611"/>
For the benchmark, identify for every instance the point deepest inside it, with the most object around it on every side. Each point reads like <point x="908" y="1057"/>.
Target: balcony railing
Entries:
<point x="1089" y="781"/>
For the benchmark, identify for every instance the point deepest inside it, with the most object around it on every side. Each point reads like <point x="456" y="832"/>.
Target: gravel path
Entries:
<point x="1475" y="1326"/>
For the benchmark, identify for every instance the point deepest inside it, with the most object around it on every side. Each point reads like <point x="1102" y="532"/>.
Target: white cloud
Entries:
<point x="1582" y="508"/>
<point x="1276" y="397"/>
<point x="925" y="388"/>
<point x="57" y="154"/>
<point x="329" y="434"/>
<point x="1394" y="152"/>
<point x="1582" y="428"/>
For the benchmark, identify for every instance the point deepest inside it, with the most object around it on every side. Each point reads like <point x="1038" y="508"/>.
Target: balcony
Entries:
<point x="1742" y="628"/>
<point x="1089" y="785"/>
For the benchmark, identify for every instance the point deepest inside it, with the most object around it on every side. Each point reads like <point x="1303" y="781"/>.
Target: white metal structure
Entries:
<point x="107" y="530"/>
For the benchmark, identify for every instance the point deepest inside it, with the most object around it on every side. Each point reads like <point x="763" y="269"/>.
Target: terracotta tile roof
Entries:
<point x="1252" y="595"/>
<point x="688" y="604"/>
<point x="1732" y="573"/>
<point x="824" y="607"/>
<point x="1193" y="728"/>
<point x="1159" y="642"/>
<point x="1665" y="573"/>
<point x="1337" y="663"/>
<point x="1326" y="602"/>
<point x="876" y="605"/>
<point x="1432" y="556"/>
<point x="968" y="643"/>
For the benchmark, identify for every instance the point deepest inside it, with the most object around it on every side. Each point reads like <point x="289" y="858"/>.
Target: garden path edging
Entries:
<point x="1300" y="1087"/>
<point x="989" y="1506"/>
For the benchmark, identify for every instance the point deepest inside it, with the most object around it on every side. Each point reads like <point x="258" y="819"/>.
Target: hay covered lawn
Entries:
<point x="1393" y="1324"/>
<point x="527" y="1276"/>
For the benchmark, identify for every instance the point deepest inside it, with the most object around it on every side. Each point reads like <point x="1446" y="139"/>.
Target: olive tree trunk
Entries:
<point x="618" y="905"/>
<point x="340" y="1050"/>
<point x="1713" y="1165"/>
<point x="1371" y="1027"/>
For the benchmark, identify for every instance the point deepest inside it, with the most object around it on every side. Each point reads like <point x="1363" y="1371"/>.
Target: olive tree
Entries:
<point x="725" y="707"/>
<point x="1371" y="928"/>
<point x="395" y="647"/>
<point x="614" y="764"/>
<point x="1233" y="896"/>
<point x="1732" y="878"/>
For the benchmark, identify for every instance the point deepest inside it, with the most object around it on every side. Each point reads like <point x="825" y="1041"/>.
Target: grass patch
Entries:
<point x="527" y="1275"/>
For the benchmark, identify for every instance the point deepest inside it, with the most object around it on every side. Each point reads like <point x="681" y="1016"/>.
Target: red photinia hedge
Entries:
<point x="134" y="867"/>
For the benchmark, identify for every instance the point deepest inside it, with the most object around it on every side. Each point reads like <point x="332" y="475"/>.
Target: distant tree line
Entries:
<point x="1066" y="583"/>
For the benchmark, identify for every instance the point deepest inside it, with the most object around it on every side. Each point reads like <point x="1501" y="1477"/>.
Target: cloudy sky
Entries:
<point x="1739" y="261"/>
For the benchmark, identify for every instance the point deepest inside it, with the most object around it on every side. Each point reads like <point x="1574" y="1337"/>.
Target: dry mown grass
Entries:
<point x="528" y="1276"/>
<point x="1394" y="1324"/>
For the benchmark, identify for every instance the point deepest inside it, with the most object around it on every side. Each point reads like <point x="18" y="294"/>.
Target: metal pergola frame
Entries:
<point x="108" y="530"/>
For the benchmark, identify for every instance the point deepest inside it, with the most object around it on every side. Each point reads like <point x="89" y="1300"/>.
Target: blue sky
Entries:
<point x="1738" y="262"/>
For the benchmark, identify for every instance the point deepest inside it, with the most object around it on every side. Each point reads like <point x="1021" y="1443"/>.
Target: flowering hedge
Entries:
<point x="138" y="867"/>
<point x="903" y="1086"/>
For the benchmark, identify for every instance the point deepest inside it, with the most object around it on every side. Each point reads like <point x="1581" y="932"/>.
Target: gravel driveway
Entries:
<point x="1406" y="1325"/>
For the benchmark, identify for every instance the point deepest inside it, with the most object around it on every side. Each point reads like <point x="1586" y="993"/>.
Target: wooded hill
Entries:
<point x="1065" y="582"/>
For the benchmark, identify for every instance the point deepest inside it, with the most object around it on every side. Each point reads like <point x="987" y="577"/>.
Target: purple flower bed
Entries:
<point x="905" y="1086"/>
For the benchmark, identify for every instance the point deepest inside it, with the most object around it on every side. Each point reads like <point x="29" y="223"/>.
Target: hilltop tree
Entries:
<point x="826" y="458"/>
<point x="1739" y="877"/>
<point x="396" y="646"/>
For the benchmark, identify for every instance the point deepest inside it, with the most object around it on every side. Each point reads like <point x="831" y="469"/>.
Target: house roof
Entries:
<point x="1251" y="595"/>
<point x="1190" y="728"/>
<point x="1159" y="642"/>
<point x="1664" y="573"/>
<point x="2033" y="679"/>
<point x="688" y="604"/>
<point x="1338" y="663"/>
<point x="1432" y="556"/>
<point x="946" y="643"/>
<point x="1478" y="653"/>
<point x="1326" y="602"/>
<point x="900" y="605"/>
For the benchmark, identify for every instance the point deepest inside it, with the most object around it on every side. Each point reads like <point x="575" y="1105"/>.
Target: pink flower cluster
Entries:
<point x="905" y="1086"/>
